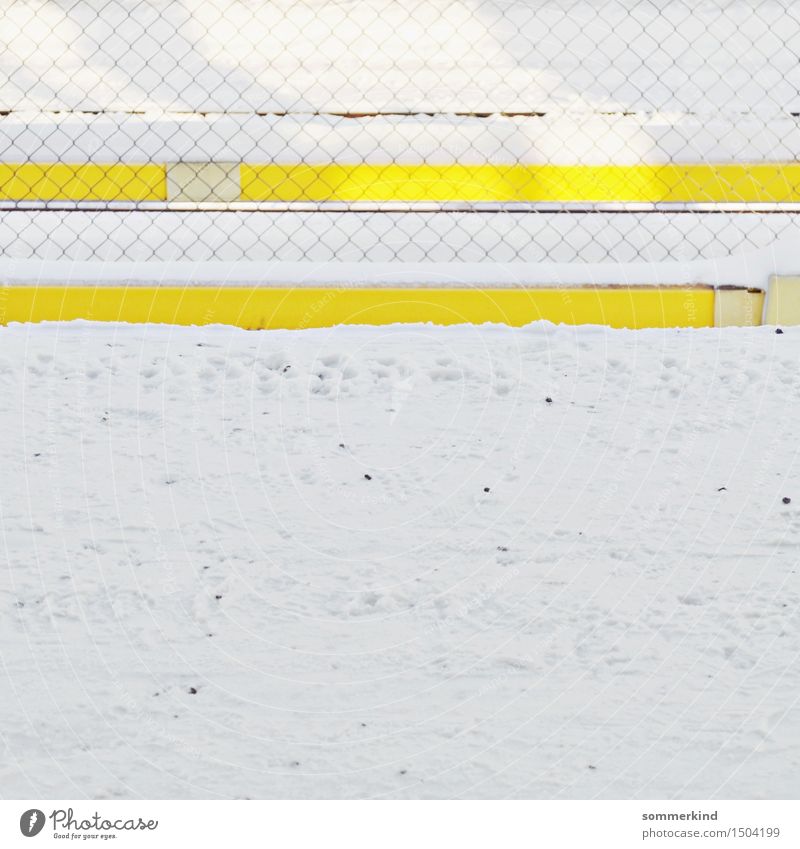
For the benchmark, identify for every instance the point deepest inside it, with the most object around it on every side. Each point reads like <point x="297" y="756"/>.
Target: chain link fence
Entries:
<point x="525" y="130"/>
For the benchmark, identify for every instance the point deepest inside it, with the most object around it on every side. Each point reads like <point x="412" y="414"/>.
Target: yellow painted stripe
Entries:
<point x="701" y="183"/>
<point x="298" y="308"/>
<point x="759" y="182"/>
<point x="61" y="181"/>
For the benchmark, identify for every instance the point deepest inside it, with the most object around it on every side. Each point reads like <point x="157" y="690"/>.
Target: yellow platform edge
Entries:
<point x="253" y="307"/>
<point x="687" y="183"/>
<point x="31" y="181"/>
<point x="759" y="182"/>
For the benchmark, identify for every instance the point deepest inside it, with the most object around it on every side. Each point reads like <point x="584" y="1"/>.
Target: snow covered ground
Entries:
<point x="366" y="562"/>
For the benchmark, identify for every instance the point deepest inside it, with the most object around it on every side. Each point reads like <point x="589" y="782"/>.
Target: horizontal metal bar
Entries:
<point x="544" y="110"/>
<point x="396" y="207"/>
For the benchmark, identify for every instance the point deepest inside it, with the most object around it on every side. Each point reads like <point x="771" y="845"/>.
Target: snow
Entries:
<point x="617" y="616"/>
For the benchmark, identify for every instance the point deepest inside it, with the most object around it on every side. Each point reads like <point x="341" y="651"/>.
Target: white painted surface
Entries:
<point x="437" y="55"/>
<point x="558" y="138"/>
<point x="203" y="182"/>
<point x="410" y="249"/>
<point x="783" y="300"/>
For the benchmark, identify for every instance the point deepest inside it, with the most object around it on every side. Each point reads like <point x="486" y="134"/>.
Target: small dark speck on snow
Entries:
<point x="722" y="489"/>
<point x="548" y="400"/>
<point x="502" y="548"/>
<point x="778" y="330"/>
<point x="592" y="767"/>
<point x="486" y="489"/>
<point x="217" y="597"/>
<point x="786" y="499"/>
<point x="193" y="690"/>
<point x="368" y="477"/>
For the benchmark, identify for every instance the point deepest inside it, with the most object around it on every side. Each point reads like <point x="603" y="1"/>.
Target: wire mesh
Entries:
<point x="380" y="130"/>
